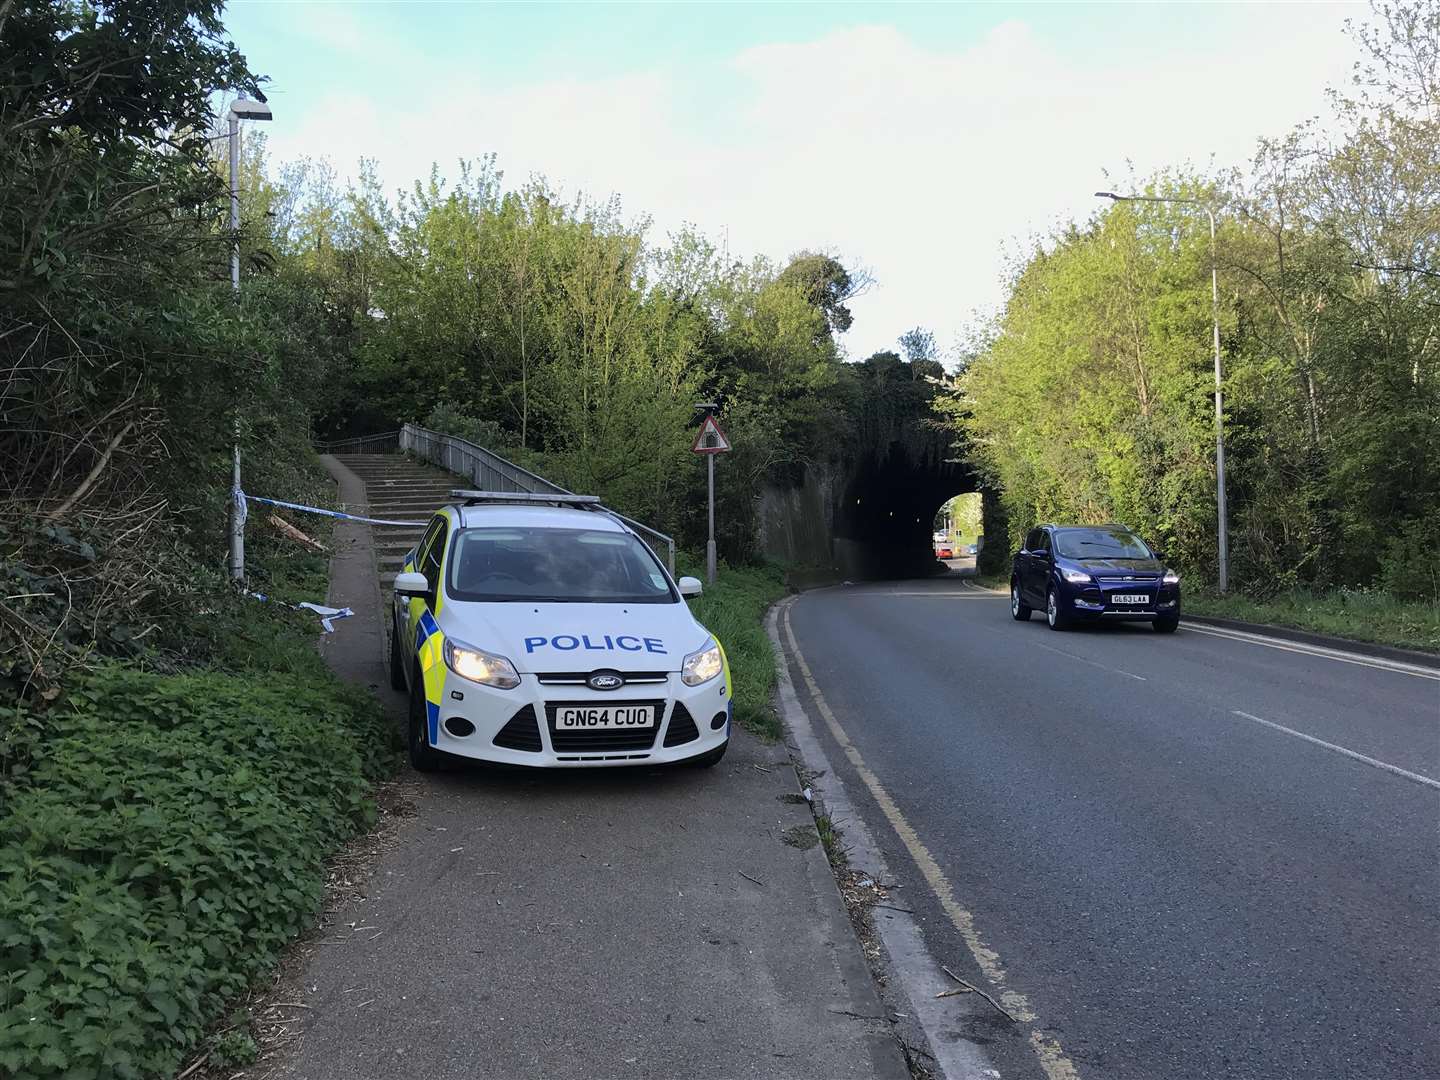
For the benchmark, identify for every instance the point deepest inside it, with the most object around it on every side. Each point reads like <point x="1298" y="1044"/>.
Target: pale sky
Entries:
<point x="922" y="141"/>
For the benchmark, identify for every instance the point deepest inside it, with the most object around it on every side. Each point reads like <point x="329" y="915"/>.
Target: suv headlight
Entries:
<point x="702" y="666"/>
<point x="480" y="666"/>
<point x="1075" y="577"/>
<point x="1171" y="578"/>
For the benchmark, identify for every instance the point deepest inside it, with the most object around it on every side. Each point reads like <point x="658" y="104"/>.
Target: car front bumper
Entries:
<point x="517" y="727"/>
<point x="1094" y="602"/>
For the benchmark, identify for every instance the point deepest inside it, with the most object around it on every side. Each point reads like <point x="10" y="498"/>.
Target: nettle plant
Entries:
<point x="160" y="853"/>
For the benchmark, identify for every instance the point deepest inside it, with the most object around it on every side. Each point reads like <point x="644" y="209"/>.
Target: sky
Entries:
<point x="928" y="143"/>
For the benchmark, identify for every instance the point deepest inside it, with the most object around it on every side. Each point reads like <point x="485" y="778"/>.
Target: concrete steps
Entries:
<point x="401" y="490"/>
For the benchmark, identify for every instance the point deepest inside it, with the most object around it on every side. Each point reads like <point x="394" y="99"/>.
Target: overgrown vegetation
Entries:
<point x="1090" y="397"/>
<point x="175" y="761"/>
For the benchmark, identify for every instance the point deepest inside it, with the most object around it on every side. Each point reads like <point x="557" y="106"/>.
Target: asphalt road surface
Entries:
<point x="1178" y="888"/>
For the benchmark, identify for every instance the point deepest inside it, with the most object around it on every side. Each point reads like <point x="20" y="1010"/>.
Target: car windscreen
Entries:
<point x="1100" y="543"/>
<point x="555" y="565"/>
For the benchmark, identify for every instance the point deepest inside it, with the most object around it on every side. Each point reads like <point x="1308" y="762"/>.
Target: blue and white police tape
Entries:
<point x="328" y="615"/>
<point x="241" y="499"/>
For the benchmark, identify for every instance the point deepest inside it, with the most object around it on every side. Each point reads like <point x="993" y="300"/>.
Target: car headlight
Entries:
<point x="1075" y="577"/>
<point x="702" y="666"/>
<point x="1171" y="578"/>
<point x="480" y="666"/>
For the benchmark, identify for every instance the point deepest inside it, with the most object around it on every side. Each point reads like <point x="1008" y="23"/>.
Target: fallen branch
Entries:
<point x="293" y="533"/>
<point x="969" y="987"/>
<point x="747" y="877"/>
<point x="93" y="475"/>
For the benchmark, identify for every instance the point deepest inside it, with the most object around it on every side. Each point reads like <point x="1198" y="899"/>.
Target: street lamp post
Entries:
<point x="240" y="109"/>
<point x="1222" y="523"/>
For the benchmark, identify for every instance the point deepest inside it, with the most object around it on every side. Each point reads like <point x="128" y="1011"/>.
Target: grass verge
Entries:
<point x="1362" y="615"/>
<point x="164" y="826"/>
<point x="733" y="609"/>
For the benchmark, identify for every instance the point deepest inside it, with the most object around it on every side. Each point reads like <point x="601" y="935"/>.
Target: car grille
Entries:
<point x="521" y="732"/>
<point x="577" y="678"/>
<point x="581" y="742"/>
<point x="682" y="727"/>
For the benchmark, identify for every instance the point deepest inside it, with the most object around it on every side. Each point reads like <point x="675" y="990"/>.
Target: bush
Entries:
<point x="161" y="852"/>
<point x="1408" y="568"/>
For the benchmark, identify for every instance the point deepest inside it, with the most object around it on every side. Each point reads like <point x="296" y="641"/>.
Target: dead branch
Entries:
<point x="293" y="533"/>
<point x="973" y="988"/>
<point x="94" y="474"/>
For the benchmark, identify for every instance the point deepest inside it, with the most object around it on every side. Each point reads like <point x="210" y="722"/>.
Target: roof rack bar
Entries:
<point x="471" y="498"/>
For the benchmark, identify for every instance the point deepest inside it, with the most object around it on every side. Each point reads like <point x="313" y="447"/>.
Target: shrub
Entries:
<point x="161" y="852"/>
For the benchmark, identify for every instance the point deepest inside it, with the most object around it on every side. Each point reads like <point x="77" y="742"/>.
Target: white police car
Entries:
<point x="541" y="630"/>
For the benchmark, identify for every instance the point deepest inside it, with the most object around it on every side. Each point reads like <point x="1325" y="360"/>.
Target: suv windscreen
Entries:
<point x="556" y="565"/>
<point x="1100" y="544"/>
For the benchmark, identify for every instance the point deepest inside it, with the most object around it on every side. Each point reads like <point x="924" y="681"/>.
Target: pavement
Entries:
<point x="608" y="924"/>
<point x="1168" y="857"/>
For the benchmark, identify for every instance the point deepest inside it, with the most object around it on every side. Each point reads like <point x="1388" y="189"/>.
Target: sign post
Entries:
<point x="710" y="440"/>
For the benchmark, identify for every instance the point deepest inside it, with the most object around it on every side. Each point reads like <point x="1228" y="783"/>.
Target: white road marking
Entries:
<point x="1053" y="1060"/>
<point x="1385" y="765"/>
<point x="1092" y="663"/>
<point x="1400" y="667"/>
<point x="945" y="594"/>
<point x="1320" y="651"/>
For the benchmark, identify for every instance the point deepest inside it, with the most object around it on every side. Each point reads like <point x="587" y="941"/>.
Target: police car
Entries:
<point x="541" y="630"/>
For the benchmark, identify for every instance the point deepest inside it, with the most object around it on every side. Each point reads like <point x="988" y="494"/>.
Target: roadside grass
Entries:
<point x="991" y="581"/>
<point x="733" y="610"/>
<point x="1362" y="615"/>
<point x="164" y="827"/>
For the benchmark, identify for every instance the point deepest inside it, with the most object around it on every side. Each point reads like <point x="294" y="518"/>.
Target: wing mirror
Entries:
<point x="411" y="585"/>
<point x="690" y="586"/>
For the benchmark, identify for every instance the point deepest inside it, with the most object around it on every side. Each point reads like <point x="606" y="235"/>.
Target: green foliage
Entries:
<point x="733" y="610"/>
<point x="1361" y="614"/>
<point x="159" y="854"/>
<point x="1091" y="399"/>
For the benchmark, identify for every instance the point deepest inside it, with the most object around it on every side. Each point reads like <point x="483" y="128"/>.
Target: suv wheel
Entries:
<point x="1167" y="625"/>
<point x="423" y="756"/>
<point x="1019" y="610"/>
<point x="1055" y="615"/>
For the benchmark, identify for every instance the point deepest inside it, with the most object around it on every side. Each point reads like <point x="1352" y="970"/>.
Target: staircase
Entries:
<point x="399" y="490"/>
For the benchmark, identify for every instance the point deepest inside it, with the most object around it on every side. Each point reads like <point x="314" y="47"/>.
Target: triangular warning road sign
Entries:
<point x="710" y="439"/>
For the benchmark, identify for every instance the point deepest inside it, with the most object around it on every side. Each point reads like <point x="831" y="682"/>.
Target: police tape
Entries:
<point x="241" y="499"/>
<point x="328" y="615"/>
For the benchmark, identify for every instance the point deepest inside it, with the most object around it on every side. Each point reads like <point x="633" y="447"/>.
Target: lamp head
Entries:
<point x="248" y="109"/>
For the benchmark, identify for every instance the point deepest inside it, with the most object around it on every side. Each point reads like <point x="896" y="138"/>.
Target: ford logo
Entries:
<point x="605" y="680"/>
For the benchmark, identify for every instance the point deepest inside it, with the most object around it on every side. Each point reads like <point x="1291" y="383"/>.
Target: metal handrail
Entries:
<point x="360" y="442"/>
<point x="491" y="472"/>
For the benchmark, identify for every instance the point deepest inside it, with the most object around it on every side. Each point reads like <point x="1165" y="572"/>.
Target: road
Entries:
<point x="1173" y="887"/>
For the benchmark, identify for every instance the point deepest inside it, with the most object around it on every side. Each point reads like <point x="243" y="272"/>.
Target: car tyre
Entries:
<point x="1019" y="610"/>
<point x="711" y="758"/>
<point x="423" y="756"/>
<point x="397" y="662"/>
<point x="1056" y="617"/>
<point x="1167" y="625"/>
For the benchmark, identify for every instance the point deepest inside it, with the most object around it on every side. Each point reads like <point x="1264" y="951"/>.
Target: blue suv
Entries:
<point x="1093" y="572"/>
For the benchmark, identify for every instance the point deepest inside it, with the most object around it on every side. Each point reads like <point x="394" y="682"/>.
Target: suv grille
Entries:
<point x="602" y="742"/>
<point x="521" y="732"/>
<point x="682" y="727"/>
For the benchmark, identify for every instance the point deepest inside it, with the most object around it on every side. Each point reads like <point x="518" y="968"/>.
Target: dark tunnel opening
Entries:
<point x="885" y="518"/>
